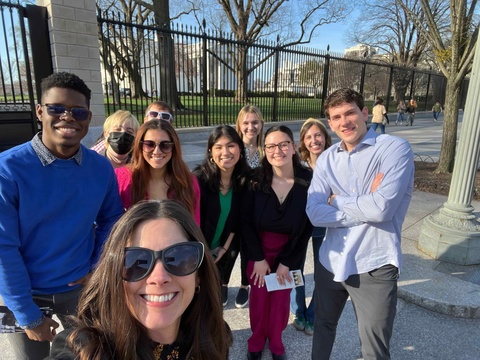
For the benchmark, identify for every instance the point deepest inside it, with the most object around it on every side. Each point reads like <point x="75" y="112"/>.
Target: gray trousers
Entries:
<point x="374" y="299"/>
<point x="64" y="304"/>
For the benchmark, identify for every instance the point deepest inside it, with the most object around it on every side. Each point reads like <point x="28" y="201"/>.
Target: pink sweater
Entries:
<point x="124" y="178"/>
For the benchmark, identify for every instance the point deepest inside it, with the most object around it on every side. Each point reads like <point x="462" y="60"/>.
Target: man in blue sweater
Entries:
<point x="58" y="202"/>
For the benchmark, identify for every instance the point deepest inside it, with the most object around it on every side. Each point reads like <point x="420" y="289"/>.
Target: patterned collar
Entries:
<point x="45" y="156"/>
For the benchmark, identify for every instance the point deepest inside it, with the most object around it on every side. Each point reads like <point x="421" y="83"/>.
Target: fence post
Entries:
<point x="326" y="72"/>
<point x="41" y="55"/>
<point x="205" y="74"/>
<point x="389" y="90"/>
<point x="275" y="82"/>
<point x="428" y="89"/>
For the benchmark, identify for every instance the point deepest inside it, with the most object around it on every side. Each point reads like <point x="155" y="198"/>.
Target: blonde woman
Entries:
<point x="117" y="138"/>
<point x="250" y="128"/>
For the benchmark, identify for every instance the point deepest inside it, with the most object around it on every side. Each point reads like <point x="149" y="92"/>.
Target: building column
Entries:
<point x="74" y="44"/>
<point x="453" y="233"/>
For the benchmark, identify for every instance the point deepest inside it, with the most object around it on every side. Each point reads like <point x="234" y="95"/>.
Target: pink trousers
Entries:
<point x="269" y="311"/>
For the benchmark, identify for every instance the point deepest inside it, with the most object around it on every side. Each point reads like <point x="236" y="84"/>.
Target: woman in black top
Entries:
<point x="276" y="231"/>
<point x="221" y="177"/>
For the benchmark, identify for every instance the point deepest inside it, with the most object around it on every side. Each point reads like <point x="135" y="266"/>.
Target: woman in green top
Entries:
<point x="221" y="177"/>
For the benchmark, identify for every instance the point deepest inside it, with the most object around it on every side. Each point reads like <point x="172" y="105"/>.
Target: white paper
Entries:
<point x="272" y="283"/>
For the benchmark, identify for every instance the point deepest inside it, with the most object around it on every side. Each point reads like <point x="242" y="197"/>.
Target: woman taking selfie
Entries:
<point x="157" y="171"/>
<point x="154" y="294"/>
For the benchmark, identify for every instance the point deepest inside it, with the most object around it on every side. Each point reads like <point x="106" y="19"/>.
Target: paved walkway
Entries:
<point x="433" y="295"/>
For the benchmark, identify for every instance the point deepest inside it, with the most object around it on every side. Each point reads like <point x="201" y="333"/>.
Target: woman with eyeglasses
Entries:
<point x="314" y="139"/>
<point x="116" y="141"/>
<point x="157" y="171"/>
<point x="249" y="126"/>
<point x="153" y="295"/>
<point x="222" y="176"/>
<point x="159" y="110"/>
<point x="275" y="231"/>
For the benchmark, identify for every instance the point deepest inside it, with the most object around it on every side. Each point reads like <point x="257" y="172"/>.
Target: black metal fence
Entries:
<point x="24" y="59"/>
<point x="197" y="71"/>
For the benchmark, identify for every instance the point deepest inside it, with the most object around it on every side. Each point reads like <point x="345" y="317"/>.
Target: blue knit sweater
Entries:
<point x="47" y="216"/>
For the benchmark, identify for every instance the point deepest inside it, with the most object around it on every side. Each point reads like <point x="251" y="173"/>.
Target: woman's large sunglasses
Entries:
<point x="165" y="146"/>
<point x="180" y="260"/>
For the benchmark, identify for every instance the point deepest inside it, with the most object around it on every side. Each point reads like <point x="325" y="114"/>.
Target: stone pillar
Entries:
<point x="453" y="233"/>
<point x="74" y="43"/>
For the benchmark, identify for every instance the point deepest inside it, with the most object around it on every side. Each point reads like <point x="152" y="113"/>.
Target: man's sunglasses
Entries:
<point x="160" y="115"/>
<point x="78" y="113"/>
<point x="149" y="146"/>
<point x="179" y="260"/>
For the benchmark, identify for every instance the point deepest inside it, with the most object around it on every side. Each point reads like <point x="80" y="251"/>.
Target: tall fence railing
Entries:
<point x="207" y="76"/>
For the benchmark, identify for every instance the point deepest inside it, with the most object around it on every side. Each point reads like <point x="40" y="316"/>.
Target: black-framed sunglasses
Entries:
<point x="179" y="260"/>
<point x="283" y="146"/>
<point x="78" y="113"/>
<point x="149" y="146"/>
<point x="160" y="115"/>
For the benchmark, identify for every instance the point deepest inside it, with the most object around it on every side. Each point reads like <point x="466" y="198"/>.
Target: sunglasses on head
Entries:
<point x="78" y="113"/>
<point x="149" y="146"/>
<point x="160" y="115"/>
<point x="179" y="260"/>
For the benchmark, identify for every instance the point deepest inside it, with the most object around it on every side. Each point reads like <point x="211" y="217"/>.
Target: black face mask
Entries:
<point x="121" y="142"/>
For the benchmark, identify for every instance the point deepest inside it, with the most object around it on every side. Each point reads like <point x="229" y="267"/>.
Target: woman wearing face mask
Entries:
<point x="119" y="132"/>
<point x="157" y="170"/>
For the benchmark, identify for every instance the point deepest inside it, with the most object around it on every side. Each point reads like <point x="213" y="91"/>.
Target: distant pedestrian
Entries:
<point x="436" y="110"/>
<point x="411" y="107"/>
<point x="361" y="195"/>
<point x="379" y="116"/>
<point x="401" y="108"/>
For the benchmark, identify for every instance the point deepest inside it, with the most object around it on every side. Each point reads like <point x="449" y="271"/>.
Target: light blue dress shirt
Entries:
<point x="363" y="227"/>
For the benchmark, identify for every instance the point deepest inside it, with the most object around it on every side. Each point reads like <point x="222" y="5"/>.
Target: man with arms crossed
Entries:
<point x="361" y="190"/>
<point x="52" y="192"/>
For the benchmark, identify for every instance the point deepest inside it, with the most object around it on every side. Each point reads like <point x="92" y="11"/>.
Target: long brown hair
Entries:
<point x="103" y="315"/>
<point x="180" y="178"/>
<point x="302" y="149"/>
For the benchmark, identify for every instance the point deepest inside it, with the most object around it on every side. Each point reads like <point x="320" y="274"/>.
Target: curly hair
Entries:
<point x="179" y="173"/>
<point x="104" y="318"/>
<point x="302" y="149"/>
<point x="342" y="96"/>
<point x="66" y="80"/>
<point x="210" y="172"/>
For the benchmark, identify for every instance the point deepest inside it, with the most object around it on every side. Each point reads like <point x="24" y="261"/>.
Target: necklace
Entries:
<point x="282" y="187"/>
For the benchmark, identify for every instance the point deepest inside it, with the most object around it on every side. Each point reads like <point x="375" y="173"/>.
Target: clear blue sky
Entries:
<point x="333" y="35"/>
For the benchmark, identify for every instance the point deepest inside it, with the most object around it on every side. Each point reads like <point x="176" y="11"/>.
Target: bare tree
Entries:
<point x="385" y="25"/>
<point x="454" y="56"/>
<point x="291" y="22"/>
<point x="311" y="74"/>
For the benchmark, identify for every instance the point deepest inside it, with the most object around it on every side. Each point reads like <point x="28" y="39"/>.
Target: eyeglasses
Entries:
<point x="179" y="260"/>
<point x="165" y="146"/>
<point x="78" y="113"/>
<point x="160" y="115"/>
<point x="283" y="146"/>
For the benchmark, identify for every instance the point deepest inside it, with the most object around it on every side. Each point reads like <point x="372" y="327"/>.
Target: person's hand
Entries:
<point x="283" y="274"/>
<point x="376" y="182"/>
<point x="260" y="269"/>
<point x="83" y="281"/>
<point x="44" y="332"/>
<point x="330" y="199"/>
<point x="217" y="253"/>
